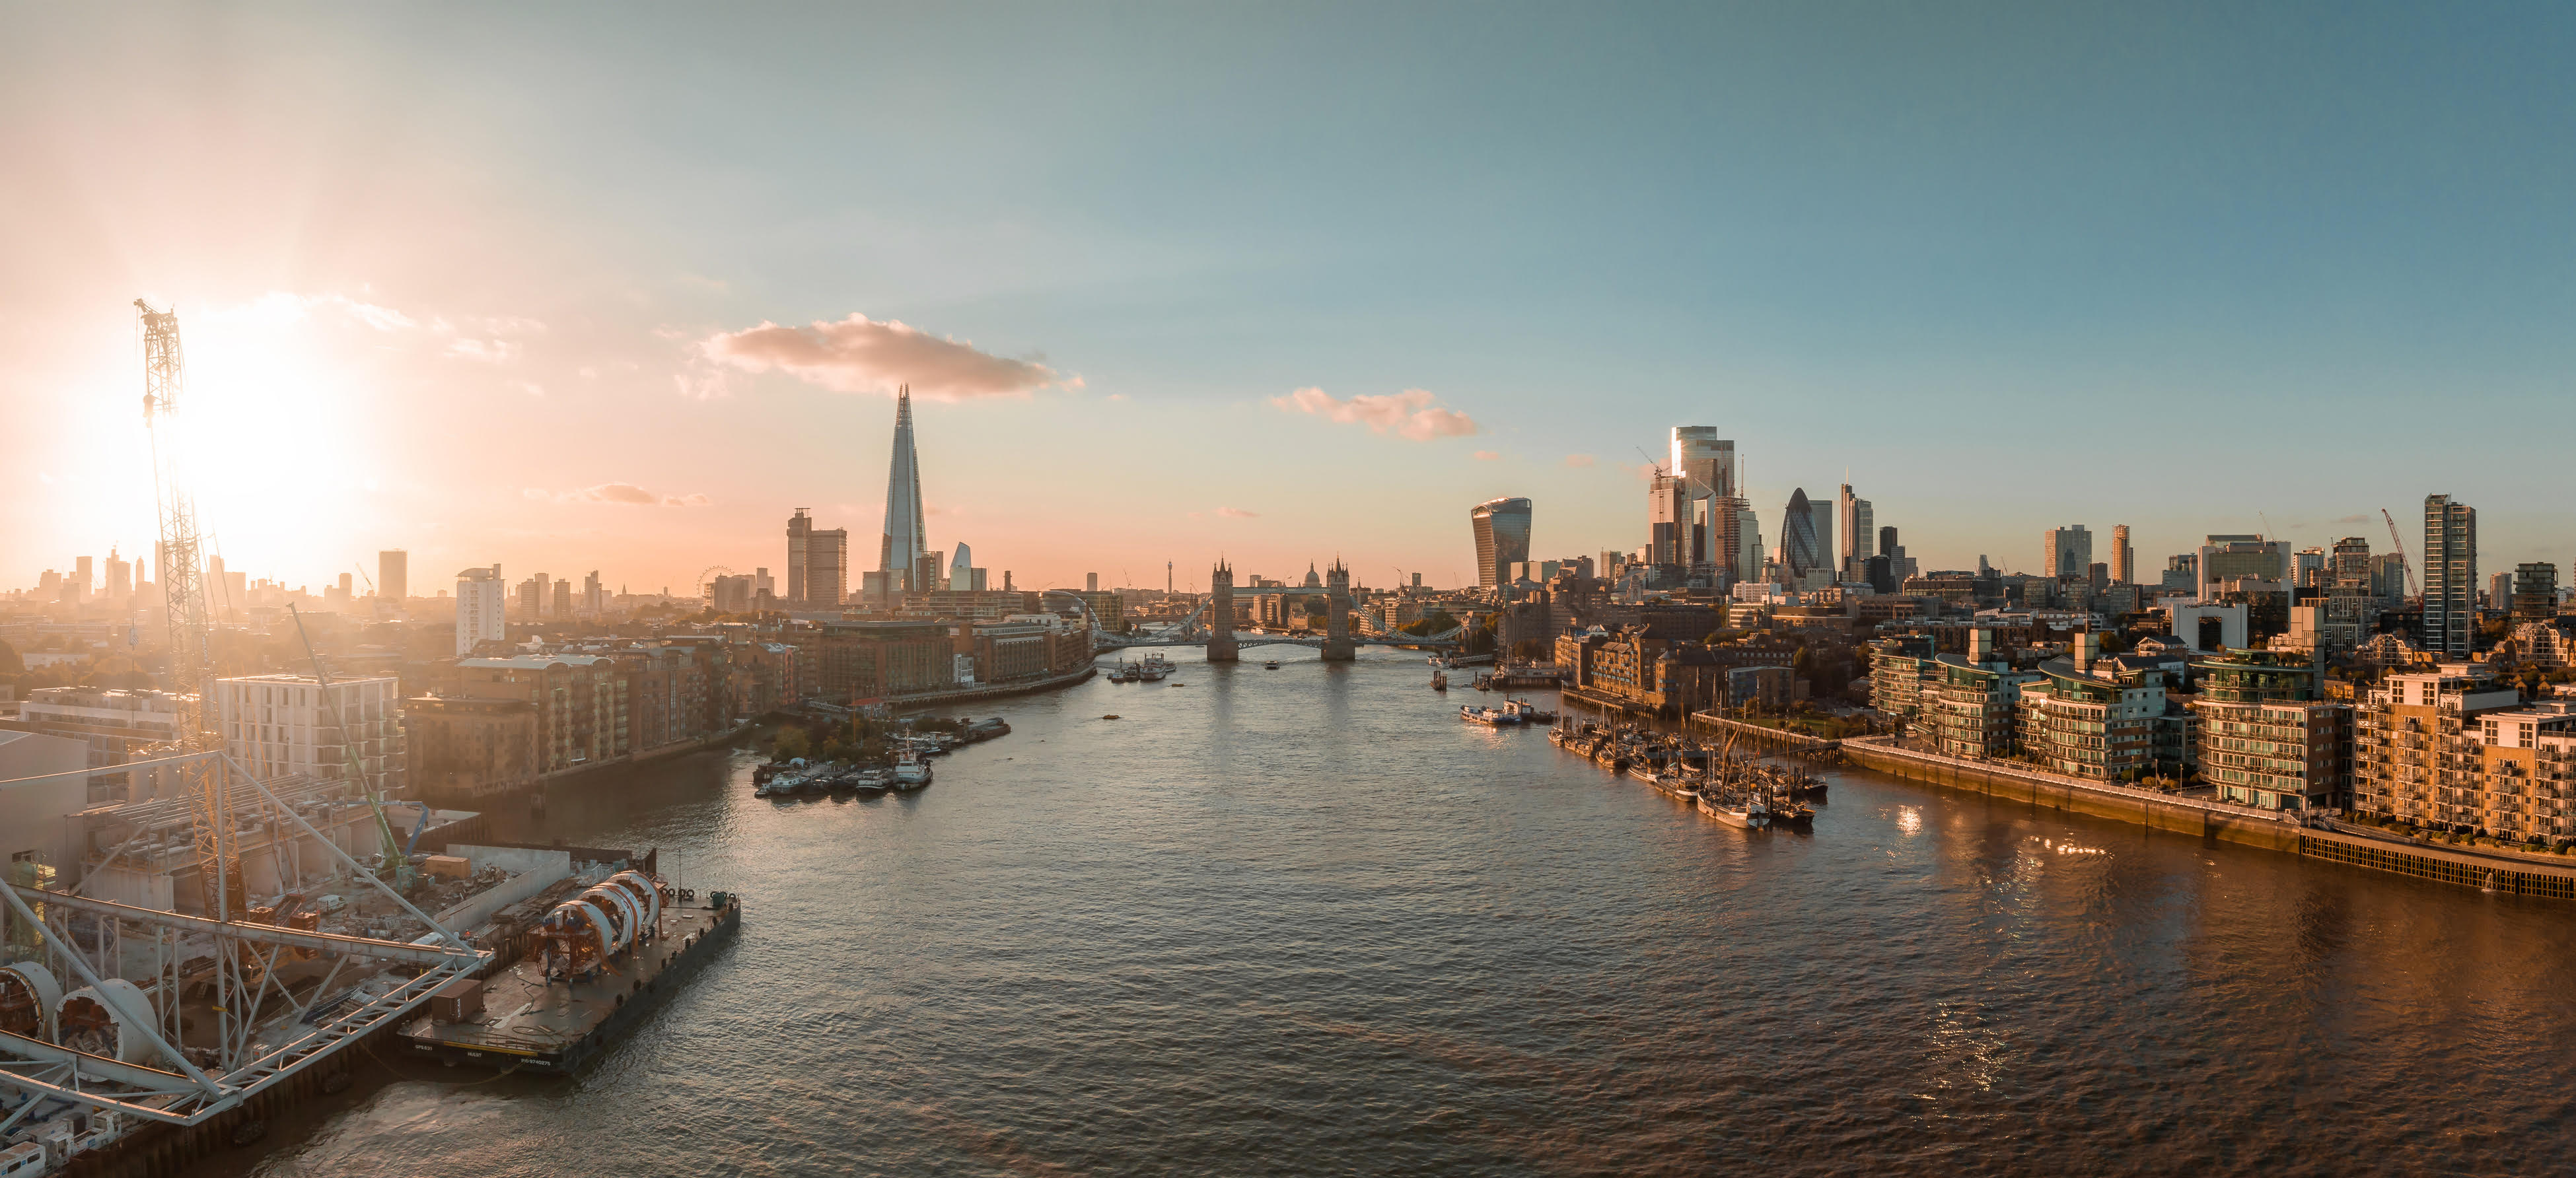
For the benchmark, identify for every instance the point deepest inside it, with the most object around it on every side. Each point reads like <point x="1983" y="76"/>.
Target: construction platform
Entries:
<point x="517" y="1019"/>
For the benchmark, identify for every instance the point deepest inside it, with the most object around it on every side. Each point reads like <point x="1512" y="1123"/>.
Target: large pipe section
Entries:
<point x="109" y="1019"/>
<point x="606" y="919"/>
<point x="28" y="996"/>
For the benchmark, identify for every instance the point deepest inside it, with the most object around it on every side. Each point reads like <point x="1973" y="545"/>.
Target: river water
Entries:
<point x="1304" y="921"/>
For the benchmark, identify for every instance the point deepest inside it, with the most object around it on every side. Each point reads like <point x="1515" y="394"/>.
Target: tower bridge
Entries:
<point x="1226" y="645"/>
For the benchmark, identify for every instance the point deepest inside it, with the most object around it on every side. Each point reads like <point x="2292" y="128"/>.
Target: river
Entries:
<point x="1305" y="921"/>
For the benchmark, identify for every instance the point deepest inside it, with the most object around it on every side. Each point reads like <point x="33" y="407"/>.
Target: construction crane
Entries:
<point x="2399" y="545"/>
<point x="183" y="586"/>
<point x="396" y="858"/>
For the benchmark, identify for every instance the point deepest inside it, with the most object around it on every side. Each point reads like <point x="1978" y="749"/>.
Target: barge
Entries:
<point x="565" y="1003"/>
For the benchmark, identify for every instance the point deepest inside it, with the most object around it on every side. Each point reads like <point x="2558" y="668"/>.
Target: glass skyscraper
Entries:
<point x="1502" y="528"/>
<point x="906" y="539"/>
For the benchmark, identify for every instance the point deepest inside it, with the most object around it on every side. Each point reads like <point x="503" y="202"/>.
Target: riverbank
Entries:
<point x="2269" y="829"/>
<point x="958" y="695"/>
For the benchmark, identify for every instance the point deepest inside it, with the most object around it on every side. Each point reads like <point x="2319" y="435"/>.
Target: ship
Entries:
<point x="596" y="965"/>
<point x="1742" y="810"/>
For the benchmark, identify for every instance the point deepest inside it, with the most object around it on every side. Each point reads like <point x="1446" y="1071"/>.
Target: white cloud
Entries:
<point x="859" y="355"/>
<point x="1237" y="513"/>
<point x="1579" y="461"/>
<point x="1413" y="413"/>
<point x="623" y="493"/>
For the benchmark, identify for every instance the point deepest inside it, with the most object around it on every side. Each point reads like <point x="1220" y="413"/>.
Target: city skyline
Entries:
<point x="461" y="388"/>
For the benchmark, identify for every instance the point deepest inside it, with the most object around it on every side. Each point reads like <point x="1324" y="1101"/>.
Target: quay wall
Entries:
<point x="2518" y="874"/>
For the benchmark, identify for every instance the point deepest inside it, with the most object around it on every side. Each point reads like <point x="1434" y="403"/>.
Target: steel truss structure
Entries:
<point x="264" y="1034"/>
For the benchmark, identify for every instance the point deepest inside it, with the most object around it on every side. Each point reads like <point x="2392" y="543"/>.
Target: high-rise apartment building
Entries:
<point x="481" y="604"/>
<point x="906" y="538"/>
<point x="2124" y="559"/>
<point x="800" y="543"/>
<point x="282" y="725"/>
<point x="1502" y="533"/>
<point x="827" y="568"/>
<point x="2352" y="593"/>
<point x="2499" y="591"/>
<point x="2069" y="551"/>
<point x="393" y="576"/>
<point x="2450" y="577"/>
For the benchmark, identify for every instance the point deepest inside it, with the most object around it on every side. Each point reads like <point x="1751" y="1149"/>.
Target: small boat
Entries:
<point x="910" y="773"/>
<point x="1271" y="665"/>
<point x="1747" y="812"/>
<point x="1524" y="712"/>
<point x="1110" y="716"/>
<point x="869" y="782"/>
<point x="1496" y="717"/>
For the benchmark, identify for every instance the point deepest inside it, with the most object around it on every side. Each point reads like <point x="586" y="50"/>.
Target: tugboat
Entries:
<point x="1154" y="669"/>
<point x="910" y="773"/>
<point x="1270" y="665"/>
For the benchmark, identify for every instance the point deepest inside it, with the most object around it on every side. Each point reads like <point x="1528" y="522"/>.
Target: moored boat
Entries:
<point x="1738" y="810"/>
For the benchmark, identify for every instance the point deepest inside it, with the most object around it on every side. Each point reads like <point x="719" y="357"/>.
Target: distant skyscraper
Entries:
<point x="1822" y="512"/>
<point x="1668" y="514"/>
<point x="907" y="539"/>
<point x="800" y="531"/>
<point x="1801" y="549"/>
<point x="827" y="568"/>
<point x="393" y="575"/>
<point x="1854" y="528"/>
<point x="87" y="578"/>
<point x="1502" y="528"/>
<point x="1887" y="541"/>
<point x="120" y="577"/>
<point x="2124" y="559"/>
<point x="2535" y="591"/>
<point x="2069" y="551"/>
<point x="1708" y="462"/>
<point x="481" y="602"/>
<point x="1091" y="582"/>
<point x="961" y="569"/>
<point x="2450" y="577"/>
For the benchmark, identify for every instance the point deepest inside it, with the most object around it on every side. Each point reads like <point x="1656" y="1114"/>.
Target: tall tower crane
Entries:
<point x="2399" y="546"/>
<point x="183" y="585"/>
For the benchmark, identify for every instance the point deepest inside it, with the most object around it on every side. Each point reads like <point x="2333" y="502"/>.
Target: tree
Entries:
<point x="792" y="742"/>
<point x="10" y="663"/>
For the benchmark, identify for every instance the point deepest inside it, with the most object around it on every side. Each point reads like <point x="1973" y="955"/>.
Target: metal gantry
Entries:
<point x="263" y="1032"/>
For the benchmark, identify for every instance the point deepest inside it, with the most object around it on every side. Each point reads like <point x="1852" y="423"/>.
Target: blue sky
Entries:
<point x="2011" y="266"/>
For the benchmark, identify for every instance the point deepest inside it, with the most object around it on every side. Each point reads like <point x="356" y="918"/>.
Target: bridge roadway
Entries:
<point x="1247" y="638"/>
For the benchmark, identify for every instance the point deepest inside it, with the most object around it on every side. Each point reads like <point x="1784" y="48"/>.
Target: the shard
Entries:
<point x="906" y="540"/>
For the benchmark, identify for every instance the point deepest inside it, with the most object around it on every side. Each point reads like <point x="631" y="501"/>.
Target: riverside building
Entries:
<point x="2412" y="754"/>
<point x="2265" y="738"/>
<point x="2087" y="717"/>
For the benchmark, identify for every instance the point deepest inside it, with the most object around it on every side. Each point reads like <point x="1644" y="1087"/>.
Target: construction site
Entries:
<point x="198" y="955"/>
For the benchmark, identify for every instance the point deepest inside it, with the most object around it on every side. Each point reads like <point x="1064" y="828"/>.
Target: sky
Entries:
<point x="570" y="287"/>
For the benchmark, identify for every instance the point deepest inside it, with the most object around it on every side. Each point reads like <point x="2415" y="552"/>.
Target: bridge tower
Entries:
<point x="1337" y="628"/>
<point x="1220" y="643"/>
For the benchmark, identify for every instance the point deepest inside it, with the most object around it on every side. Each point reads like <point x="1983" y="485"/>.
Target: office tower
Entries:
<point x="2230" y="563"/>
<point x="393" y="575"/>
<point x="2124" y="559"/>
<point x="1887" y="541"/>
<point x="1708" y="462"/>
<point x="1855" y="526"/>
<point x="906" y="538"/>
<point x="594" y="596"/>
<point x="929" y="571"/>
<point x="348" y="585"/>
<point x="1822" y="513"/>
<point x="563" y="599"/>
<point x="961" y="568"/>
<point x="481" y="599"/>
<point x="1801" y="550"/>
<point x="2069" y="551"/>
<point x="1668" y="508"/>
<point x="2535" y="591"/>
<point x="1747" y="535"/>
<point x="1502" y="530"/>
<point x="120" y="577"/>
<point x="2450" y="577"/>
<point x="83" y="579"/>
<point x="2308" y="568"/>
<point x="1091" y="582"/>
